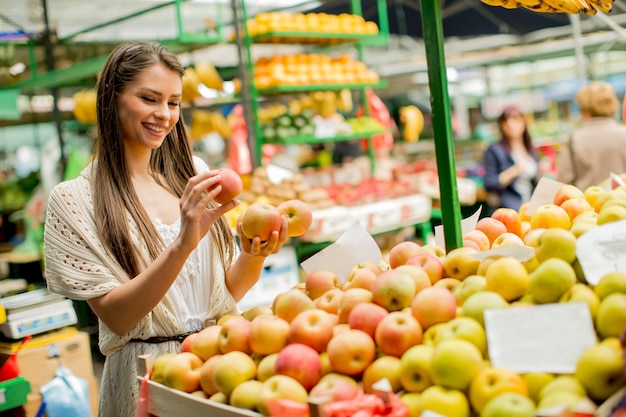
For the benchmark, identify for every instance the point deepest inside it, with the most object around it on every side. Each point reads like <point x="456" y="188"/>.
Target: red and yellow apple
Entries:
<point x="313" y="328"/>
<point x="260" y="219"/>
<point x="401" y="252"/>
<point x="366" y="317"/>
<point x="299" y="216"/>
<point x="351" y="351"/>
<point x="235" y="335"/>
<point x="320" y="281"/>
<point x="231" y="185"/>
<point x="268" y="334"/>
<point x="397" y="332"/>
<point x="300" y="362"/>
<point x="433" y="305"/>
<point x="182" y="372"/>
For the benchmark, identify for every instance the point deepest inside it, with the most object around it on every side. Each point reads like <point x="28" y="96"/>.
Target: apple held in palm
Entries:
<point x="299" y="216"/>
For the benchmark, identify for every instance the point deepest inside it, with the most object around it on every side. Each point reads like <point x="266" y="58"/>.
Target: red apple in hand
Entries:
<point x="299" y="216"/>
<point x="231" y="184"/>
<point x="260" y="219"/>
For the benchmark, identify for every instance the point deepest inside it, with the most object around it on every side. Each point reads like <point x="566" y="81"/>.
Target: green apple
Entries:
<point x="507" y="277"/>
<point x="560" y="398"/>
<point x="611" y="214"/>
<point x="509" y="404"/>
<point x="582" y="293"/>
<point x="455" y="363"/>
<point x="412" y="401"/>
<point x="460" y="264"/>
<point x="465" y="328"/>
<point x="416" y="368"/>
<point x="556" y="243"/>
<point x="447" y="402"/>
<point x="563" y="383"/>
<point x="580" y="228"/>
<point x="467" y="287"/>
<point x="491" y="382"/>
<point x="535" y="381"/>
<point x="610" y="283"/>
<point x="531" y="264"/>
<point x="600" y="369"/>
<point x="611" y="316"/>
<point x="477" y="303"/>
<point x="550" y="280"/>
<point x="245" y="394"/>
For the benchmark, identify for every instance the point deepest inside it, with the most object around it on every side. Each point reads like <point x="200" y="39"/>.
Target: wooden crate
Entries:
<point x="168" y="402"/>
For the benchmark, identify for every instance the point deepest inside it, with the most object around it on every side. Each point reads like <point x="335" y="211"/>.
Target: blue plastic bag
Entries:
<point x="65" y="395"/>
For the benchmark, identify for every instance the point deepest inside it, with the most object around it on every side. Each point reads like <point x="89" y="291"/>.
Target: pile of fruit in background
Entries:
<point x="418" y="320"/>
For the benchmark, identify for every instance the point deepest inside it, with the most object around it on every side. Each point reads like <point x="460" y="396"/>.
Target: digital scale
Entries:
<point x="34" y="312"/>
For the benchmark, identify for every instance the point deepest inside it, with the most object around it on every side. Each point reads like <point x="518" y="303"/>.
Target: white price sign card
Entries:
<point x="520" y="252"/>
<point x="602" y="250"/>
<point x="354" y="246"/>
<point x="544" y="338"/>
<point x="468" y="224"/>
<point x="543" y="194"/>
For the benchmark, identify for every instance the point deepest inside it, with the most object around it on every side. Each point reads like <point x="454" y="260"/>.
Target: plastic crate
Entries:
<point x="13" y="393"/>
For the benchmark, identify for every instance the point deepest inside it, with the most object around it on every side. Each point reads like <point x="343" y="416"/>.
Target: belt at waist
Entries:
<point x="163" y="339"/>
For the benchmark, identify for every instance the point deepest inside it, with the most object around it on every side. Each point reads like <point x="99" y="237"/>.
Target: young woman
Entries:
<point x="511" y="168"/>
<point x="138" y="234"/>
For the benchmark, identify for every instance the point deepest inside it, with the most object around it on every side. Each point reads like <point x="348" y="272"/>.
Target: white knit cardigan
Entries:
<point x="79" y="267"/>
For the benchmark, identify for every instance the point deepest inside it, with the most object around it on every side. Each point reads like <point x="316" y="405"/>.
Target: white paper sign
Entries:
<point x="467" y="225"/>
<point x="616" y="179"/>
<point x="545" y="338"/>
<point x="543" y="194"/>
<point x="354" y="246"/>
<point x="428" y="413"/>
<point x="276" y="174"/>
<point x="520" y="252"/>
<point x="602" y="250"/>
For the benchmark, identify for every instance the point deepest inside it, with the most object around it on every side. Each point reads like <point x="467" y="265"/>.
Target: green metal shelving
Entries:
<point x="320" y="39"/>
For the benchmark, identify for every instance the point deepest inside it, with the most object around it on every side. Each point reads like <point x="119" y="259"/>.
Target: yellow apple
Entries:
<point x="299" y="216"/>
<point x="459" y="263"/>
<point x="415" y="368"/>
<point x="600" y="369"/>
<point x="582" y="293"/>
<point x="592" y="193"/>
<point x="548" y="216"/>
<point x="550" y="280"/>
<point x="477" y="303"/>
<point x="491" y="382"/>
<point x="232" y="369"/>
<point x="268" y="334"/>
<point x="219" y="397"/>
<point x="509" y="404"/>
<point x="182" y="372"/>
<point x="465" y="328"/>
<point x="567" y="399"/>
<point x="159" y="365"/>
<point x="252" y="312"/>
<point x="447" y="402"/>
<point x="412" y="401"/>
<point x="611" y="316"/>
<point x="507" y="239"/>
<point x="611" y="213"/>
<point x="556" y="243"/>
<point x="508" y="277"/>
<point x="419" y="275"/>
<point x="455" y="363"/>
<point x="385" y="366"/>
<point x="610" y="283"/>
<point x="561" y="383"/>
<point x="535" y="381"/>
<point x="280" y="387"/>
<point x="245" y="394"/>
<point x="266" y="367"/>
<point x="469" y="286"/>
<point x="329" y="301"/>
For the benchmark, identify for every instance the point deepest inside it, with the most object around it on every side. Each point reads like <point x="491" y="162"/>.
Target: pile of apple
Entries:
<point x="417" y="320"/>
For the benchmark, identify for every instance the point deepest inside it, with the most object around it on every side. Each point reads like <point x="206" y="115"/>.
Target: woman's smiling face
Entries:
<point x="149" y="107"/>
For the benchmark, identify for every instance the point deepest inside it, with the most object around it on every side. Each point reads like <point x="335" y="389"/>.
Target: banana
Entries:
<point x="494" y="2"/>
<point x="583" y="5"/>
<point x="541" y="8"/>
<point x="529" y="4"/>
<point x="511" y="4"/>
<point x="564" y="6"/>
<point x="602" y="5"/>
